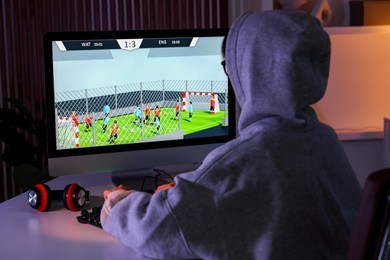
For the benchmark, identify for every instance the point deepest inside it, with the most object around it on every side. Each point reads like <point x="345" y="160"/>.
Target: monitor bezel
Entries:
<point x="50" y="37"/>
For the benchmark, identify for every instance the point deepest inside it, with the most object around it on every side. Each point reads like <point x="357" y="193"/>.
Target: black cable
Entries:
<point x="164" y="172"/>
<point x="156" y="179"/>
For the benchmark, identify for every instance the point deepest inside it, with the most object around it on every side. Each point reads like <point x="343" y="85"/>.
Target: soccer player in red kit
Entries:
<point x="157" y="113"/>
<point x="147" y="114"/>
<point x="177" y="109"/>
<point x="88" y="122"/>
<point x="114" y="132"/>
<point x="212" y="105"/>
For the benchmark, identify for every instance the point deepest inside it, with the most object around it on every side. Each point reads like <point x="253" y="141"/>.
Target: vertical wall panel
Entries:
<point x="24" y="22"/>
<point x="95" y="16"/>
<point x="3" y="72"/>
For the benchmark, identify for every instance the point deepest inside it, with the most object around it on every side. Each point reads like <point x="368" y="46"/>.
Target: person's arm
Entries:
<point x="144" y="222"/>
<point x="116" y="194"/>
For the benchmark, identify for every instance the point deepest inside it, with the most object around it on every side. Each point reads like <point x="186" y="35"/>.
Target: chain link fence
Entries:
<point x="128" y="106"/>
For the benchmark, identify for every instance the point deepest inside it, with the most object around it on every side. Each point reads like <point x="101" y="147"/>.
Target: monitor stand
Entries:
<point x="143" y="177"/>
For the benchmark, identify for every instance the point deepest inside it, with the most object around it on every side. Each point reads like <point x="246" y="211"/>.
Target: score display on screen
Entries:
<point x="126" y="44"/>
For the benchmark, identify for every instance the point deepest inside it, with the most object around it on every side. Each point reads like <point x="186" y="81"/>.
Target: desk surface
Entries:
<point x="26" y="233"/>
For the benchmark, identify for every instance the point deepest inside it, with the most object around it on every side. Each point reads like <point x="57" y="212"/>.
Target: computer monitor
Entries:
<point x="121" y="101"/>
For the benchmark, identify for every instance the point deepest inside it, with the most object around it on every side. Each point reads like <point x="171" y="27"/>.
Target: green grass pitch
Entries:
<point x="130" y="132"/>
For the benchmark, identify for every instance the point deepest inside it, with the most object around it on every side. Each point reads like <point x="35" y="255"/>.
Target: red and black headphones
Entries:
<point x="73" y="196"/>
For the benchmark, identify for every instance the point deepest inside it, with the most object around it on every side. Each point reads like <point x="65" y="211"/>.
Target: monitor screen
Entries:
<point x="129" y="101"/>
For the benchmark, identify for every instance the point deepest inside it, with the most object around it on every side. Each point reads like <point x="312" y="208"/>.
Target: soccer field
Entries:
<point x="131" y="131"/>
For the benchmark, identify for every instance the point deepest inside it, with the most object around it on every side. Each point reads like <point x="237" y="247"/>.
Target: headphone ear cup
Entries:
<point x="74" y="197"/>
<point x="40" y="197"/>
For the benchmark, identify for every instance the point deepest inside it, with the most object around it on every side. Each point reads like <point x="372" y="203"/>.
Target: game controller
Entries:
<point x="91" y="216"/>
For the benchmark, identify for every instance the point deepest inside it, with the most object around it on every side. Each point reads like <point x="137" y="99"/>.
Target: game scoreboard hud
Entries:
<point x="126" y="44"/>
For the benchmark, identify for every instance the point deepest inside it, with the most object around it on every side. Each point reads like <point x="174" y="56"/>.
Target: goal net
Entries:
<point x="200" y="101"/>
<point x="67" y="133"/>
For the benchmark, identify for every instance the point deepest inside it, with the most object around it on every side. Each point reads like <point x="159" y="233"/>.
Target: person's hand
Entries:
<point x="164" y="186"/>
<point x="120" y="187"/>
<point x="117" y="194"/>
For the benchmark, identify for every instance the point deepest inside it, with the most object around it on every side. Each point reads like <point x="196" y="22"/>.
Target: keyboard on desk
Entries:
<point x="91" y="216"/>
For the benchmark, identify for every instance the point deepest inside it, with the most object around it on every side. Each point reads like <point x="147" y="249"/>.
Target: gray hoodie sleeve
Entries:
<point x="144" y="222"/>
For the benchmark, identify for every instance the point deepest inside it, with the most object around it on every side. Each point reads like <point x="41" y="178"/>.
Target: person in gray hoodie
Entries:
<point x="283" y="189"/>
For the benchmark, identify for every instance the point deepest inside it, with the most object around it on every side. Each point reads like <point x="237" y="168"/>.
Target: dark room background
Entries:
<point x="24" y="22"/>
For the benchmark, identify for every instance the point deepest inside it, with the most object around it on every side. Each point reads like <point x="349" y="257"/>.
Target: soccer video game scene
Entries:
<point x="124" y="91"/>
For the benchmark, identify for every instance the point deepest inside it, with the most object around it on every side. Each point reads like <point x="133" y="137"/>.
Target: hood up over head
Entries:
<point x="278" y="64"/>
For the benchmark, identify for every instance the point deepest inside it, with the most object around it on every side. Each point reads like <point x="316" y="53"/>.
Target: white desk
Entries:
<point x="26" y="233"/>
